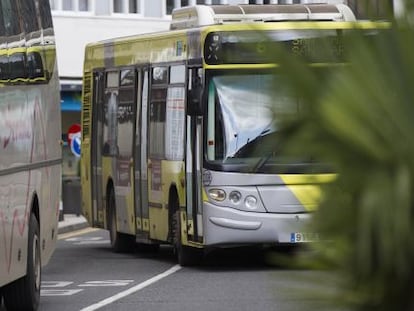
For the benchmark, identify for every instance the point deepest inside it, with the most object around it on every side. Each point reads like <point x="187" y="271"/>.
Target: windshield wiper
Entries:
<point x="262" y="161"/>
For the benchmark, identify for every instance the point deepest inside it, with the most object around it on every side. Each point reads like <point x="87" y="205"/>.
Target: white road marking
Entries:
<point x="59" y="292"/>
<point x="106" y="283"/>
<point x="132" y="290"/>
<point x="55" y="284"/>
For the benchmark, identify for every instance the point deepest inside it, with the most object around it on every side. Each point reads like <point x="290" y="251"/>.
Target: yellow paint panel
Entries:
<point x="158" y="223"/>
<point x="296" y="179"/>
<point x="145" y="223"/>
<point x="307" y="188"/>
<point x="139" y="223"/>
<point x="308" y="195"/>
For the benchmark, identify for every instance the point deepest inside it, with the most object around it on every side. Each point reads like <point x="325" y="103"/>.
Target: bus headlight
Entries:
<point x="250" y="202"/>
<point x="217" y="194"/>
<point x="235" y="197"/>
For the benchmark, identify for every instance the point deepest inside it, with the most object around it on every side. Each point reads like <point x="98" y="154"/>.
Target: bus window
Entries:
<point x="110" y="124"/>
<point x="157" y="122"/>
<point x="4" y="68"/>
<point x="127" y="77"/>
<point x="177" y="74"/>
<point x="175" y="120"/>
<point x="30" y="23"/>
<point x="35" y="66"/>
<point x="46" y="17"/>
<point x="10" y="17"/>
<point x="2" y="25"/>
<point x="111" y="103"/>
<point x="159" y="75"/>
<point x="112" y="79"/>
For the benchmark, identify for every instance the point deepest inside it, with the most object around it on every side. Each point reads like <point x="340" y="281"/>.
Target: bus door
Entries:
<point x="194" y="167"/>
<point x="123" y="134"/>
<point x="140" y="152"/>
<point x="98" y="204"/>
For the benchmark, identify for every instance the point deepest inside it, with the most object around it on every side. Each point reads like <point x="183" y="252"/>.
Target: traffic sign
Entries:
<point x="74" y="139"/>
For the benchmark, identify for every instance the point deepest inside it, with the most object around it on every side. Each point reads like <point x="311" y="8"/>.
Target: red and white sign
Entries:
<point x="74" y="139"/>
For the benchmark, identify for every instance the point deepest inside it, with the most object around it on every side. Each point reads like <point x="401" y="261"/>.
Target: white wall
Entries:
<point x="74" y="32"/>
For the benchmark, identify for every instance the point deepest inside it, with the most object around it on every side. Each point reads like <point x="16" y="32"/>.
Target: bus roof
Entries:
<point x="202" y="15"/>
<point x="181" y="43"/>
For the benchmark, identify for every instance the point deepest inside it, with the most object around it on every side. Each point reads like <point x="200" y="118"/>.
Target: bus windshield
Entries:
<point x="243" y="121"/>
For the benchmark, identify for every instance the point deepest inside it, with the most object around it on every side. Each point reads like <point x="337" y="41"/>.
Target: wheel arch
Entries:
<point x="173" y="206"/>
<point x="35" y="207"/>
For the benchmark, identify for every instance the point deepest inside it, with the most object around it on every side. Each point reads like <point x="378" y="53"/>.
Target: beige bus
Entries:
<point x="30" y="149"/>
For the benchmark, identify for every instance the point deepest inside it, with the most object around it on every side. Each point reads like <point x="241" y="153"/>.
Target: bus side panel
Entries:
<point x="13" y="228"/>
<point x="49" y="149"/>
<point x="30" y="127"/>
<point x="170" y="174"/>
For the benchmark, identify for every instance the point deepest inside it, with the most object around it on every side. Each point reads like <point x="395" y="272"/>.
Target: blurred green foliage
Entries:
<point x="360" y="118"/>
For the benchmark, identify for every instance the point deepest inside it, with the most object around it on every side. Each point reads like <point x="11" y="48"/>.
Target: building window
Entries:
<point x="170" y="6"/>
<point x="70" y="5"/>
<point x="134" y="6"/>
<point x="83" y="5"/>
<point x="127" y="6"/>
<point x="67" y="5"/>
<point x="53" y="5"/>
<point x="118" y="6"/>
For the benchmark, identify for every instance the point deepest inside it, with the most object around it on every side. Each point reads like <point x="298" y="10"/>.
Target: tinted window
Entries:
<point x="160" y="75"/>
<point x="45" y="16"/>
<point x="35" y="65"/>
<point x="10" y="17"/>
<point x="29" y="16"/>
<point x="17" y="66"/>
<point x="4" y="68"/>
<point x="2" y="28"/>
<point x="127" y="77"/>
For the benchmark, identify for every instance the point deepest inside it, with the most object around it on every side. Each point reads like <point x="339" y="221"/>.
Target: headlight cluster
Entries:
<point x="235" y="199"/>
<point x="217" y="194"/>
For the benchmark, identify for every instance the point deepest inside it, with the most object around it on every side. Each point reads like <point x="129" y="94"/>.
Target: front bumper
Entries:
<point x="227" y="226"/>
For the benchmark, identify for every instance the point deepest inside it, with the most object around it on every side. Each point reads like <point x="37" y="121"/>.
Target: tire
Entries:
<point x="24" y="293"/>
<point x="186" y="256"/>
<point x="120" y="242"/>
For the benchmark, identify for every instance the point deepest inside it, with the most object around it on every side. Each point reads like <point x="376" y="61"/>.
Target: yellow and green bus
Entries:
<point x="180" y="129"/>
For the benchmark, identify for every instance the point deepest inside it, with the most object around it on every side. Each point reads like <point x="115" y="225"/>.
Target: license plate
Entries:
<point x="302" y="237"/>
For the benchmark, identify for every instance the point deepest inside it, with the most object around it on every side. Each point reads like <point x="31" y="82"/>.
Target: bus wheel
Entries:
<point x="24" y="293"/>
<point x="120" y="242"/>
<point x="186" y="256"/>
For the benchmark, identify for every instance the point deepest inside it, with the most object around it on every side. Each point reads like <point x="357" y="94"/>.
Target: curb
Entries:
<point x="70" y="223"/>
<point x="73" y="227"/>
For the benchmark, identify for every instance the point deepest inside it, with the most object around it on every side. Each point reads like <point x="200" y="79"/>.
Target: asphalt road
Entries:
<point x="84" y="274"/>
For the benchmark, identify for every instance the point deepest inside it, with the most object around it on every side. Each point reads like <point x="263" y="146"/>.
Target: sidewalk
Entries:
<point x="72" y="222"/>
